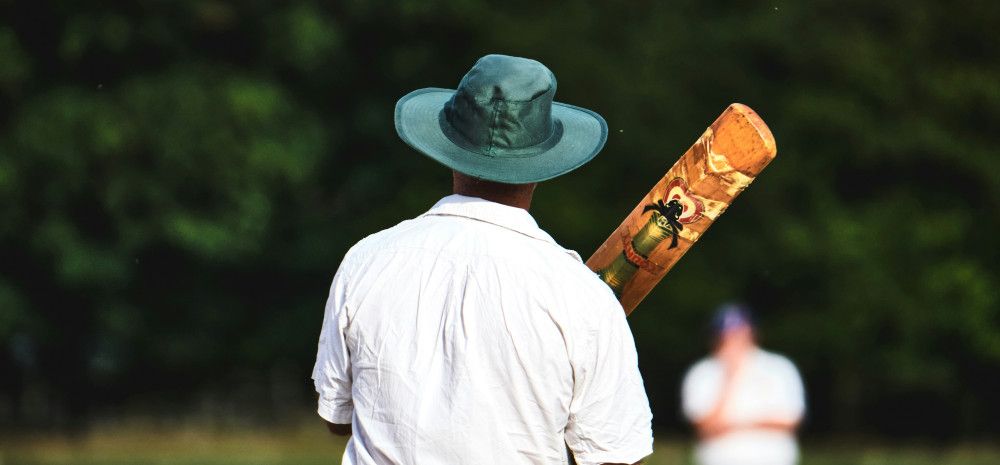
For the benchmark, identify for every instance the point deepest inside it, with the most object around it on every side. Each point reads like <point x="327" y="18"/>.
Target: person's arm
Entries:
<point x="714" y="423"/>
<point x="719" y="428"/>
<point x="609" y="418"/>
<point x="778" y="424"/>
<point x="332" y="372"/>
<point x="572" y="461"/>
<point x="787" y="404"/>
<point x="339" y="429"/>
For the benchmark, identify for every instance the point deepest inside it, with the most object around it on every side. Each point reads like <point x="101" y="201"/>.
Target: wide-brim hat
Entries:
<point x="501" y="124"/>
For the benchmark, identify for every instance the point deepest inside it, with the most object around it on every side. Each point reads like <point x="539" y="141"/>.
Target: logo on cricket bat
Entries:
<point x="693" y="207"/>
<point x="677" y="208"/>
<point x="674" y="210"/>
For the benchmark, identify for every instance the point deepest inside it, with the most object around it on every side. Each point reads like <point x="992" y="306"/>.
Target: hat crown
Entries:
<point x="503" y="106"/>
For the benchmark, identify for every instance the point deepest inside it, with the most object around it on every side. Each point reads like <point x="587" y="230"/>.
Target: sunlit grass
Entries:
<point x="309" y="443"/>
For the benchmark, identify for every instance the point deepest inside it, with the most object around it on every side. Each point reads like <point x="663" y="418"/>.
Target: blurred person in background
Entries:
<point x="744" y="402"/>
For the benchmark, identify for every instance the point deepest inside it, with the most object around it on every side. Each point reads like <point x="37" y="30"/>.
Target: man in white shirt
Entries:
<point x="745" y="402"/>
<point x="467" y="335"/>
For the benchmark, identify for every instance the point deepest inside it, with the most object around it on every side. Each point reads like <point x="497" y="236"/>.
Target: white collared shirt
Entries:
<point x="468" y="336"/>
<point x="768" y="387"/>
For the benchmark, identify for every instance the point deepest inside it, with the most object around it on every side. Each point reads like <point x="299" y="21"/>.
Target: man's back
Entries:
<point x="467" y="335"/>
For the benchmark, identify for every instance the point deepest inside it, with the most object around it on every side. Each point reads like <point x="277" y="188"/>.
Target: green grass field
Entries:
<point x="310" y="444"/>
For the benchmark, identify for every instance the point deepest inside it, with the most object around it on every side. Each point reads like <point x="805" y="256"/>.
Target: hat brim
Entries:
<point x="417" y="122"/>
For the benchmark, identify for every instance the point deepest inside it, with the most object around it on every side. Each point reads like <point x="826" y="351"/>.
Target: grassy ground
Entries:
<point x="311" y="444"/>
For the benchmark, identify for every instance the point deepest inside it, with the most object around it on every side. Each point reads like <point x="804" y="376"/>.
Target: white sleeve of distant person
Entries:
<point x="700" y="390"/>
<point x="610" y="419"/>
<point x="787" y="402"/>
<point x="332" y="372"/>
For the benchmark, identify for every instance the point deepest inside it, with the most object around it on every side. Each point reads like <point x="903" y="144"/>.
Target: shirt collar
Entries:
<point x="505" y="216"/>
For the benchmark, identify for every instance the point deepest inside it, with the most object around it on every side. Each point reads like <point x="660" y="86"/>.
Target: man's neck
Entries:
<point x="514" y="195"/>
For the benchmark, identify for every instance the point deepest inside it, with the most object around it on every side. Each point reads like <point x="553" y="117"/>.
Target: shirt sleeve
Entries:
<point x="699" y="392"/>
<point x="332" y="372"/>
<point x="610" y="419"/>
<point x="790" y="401"/>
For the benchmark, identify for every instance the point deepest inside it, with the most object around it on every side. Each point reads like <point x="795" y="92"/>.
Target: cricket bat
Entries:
<point x="680" y="207"/>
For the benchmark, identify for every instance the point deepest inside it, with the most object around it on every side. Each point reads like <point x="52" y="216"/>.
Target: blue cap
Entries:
<point x="730" y="316"/>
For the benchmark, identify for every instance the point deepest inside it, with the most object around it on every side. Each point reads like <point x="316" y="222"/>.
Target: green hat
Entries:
<point x="501" y="124"/>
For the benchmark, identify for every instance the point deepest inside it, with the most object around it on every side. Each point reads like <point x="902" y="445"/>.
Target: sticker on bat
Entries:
<point x="693" y="206"/>
<point x="677" y="208"/>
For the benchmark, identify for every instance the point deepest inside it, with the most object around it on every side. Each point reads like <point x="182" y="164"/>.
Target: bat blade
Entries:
<point x="678" y="210"/>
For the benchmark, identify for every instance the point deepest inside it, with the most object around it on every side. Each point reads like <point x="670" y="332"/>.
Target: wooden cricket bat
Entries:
<point x="681" y="207"/>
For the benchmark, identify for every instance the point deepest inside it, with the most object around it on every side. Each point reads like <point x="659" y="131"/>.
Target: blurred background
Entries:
<point x="179" y="181"/>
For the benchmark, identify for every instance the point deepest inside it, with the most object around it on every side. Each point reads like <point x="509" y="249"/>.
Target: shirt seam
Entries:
<point x="625" y="455"/>
<point x="547" y="240"/>
<point x="500" y="258"/>
<point x="334" y="413"/>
